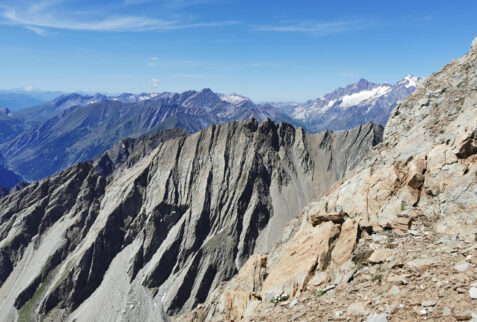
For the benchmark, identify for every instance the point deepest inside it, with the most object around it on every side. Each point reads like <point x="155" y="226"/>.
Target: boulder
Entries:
<point x="380" y="256"/>
<point x="336" y="217"/>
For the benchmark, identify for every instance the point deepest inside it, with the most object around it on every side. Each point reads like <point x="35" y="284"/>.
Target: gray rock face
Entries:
<point x="139" y="236"/>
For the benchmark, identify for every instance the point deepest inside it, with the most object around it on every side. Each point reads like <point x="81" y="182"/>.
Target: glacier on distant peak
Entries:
<point x="233" y="98"/>
<point x="357" y="98"/>
<point x="409" y="81"/>
<point x="347" y="107"/>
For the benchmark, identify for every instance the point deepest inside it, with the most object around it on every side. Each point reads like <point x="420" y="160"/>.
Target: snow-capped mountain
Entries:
<point x="234" y="98"/>
<point x="341" y="109"/>
<point x="347" y="107"/>
<point x="67" y="125"/>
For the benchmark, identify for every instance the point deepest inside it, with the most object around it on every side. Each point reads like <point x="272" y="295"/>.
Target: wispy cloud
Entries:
<point x="36" y="30"/>
<point x="154" y="82"/>
<point x="176" y="4"/>
<point x="324" y="28"/>
<point x="48" y="14"/>
<point x="319" y="28"/>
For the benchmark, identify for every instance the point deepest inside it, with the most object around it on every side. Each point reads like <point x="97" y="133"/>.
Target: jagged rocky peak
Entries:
<point x="205" y="98"/>
<point x="129" y="151"/>
<point x="389" y="240"/>
<point x="160" y="232"/>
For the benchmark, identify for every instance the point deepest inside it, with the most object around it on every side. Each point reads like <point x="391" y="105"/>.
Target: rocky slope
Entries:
<point x="394" y="240"/>
<point x="138" y="236"/>
<point x="10" y="126"/>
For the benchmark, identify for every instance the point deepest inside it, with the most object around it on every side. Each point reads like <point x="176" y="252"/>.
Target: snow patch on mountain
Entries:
<point x="356" y="98"/>
<point x="409" y="81"/>
<point x="347" y="107"/>
<point x="233" y="99"/>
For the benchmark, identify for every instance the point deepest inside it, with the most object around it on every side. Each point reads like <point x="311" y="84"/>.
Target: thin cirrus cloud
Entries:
<point x="319" y="28"/>
<point x="45" y="15"/>
<point x="178" y="3"/>
<point x="324" y="28"/>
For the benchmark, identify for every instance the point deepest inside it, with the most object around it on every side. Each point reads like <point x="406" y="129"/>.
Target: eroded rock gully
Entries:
<point x="396" y="239"/>
<point x="153" y="226"/>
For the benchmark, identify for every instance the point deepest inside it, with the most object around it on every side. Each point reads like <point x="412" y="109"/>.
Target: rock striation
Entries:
<point x="149" y="229"/>
<point x="395" y="239"/>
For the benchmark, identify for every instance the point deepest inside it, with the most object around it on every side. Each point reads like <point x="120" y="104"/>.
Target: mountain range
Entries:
<point x="42" y="140"/>
<point x="156" y="223"/>
<point x="347" y="107"/>
<point x="250" y="220"/>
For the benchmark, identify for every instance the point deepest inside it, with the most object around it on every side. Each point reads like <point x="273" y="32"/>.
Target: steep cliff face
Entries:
<point x="395" y="238"/>
<point x="146" y="237"/>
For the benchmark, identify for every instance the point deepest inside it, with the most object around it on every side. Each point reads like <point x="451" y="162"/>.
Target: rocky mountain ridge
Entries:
<point x="395" y="239"/>
<point x="42" y="140"/>
<point x="139" y="235"/>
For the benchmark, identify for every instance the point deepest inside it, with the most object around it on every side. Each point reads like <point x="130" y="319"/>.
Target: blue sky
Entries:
<point x="266" y="50"/>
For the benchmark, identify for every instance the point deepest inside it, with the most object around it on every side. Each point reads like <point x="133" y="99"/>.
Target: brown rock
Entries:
<point x="416" y="181"/>
<point x="335" y="217"/>
<point x="306" y="252"/>
<point x="235" y="304"/>
<point x="251" y="275"/>
<point x="358" y="308"/>
<point x="402" y="223"/>
<point x="421" y="265"/>
<point x="344" y="247"/>
<point x="417" y="167"/>
<point x="380" y="256"/>
<point x="398" y="279"/>
<point x="463" y="316"/>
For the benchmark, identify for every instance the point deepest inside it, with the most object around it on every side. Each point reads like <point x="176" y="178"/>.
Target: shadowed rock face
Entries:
<point x="149" y="229"/>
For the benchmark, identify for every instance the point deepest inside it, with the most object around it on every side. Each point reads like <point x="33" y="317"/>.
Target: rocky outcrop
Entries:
<point x="416" y="190"/>
<point x="140" y="236"/>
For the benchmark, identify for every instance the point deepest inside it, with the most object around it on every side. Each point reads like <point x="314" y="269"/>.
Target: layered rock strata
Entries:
<point x="145" y="232"/>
